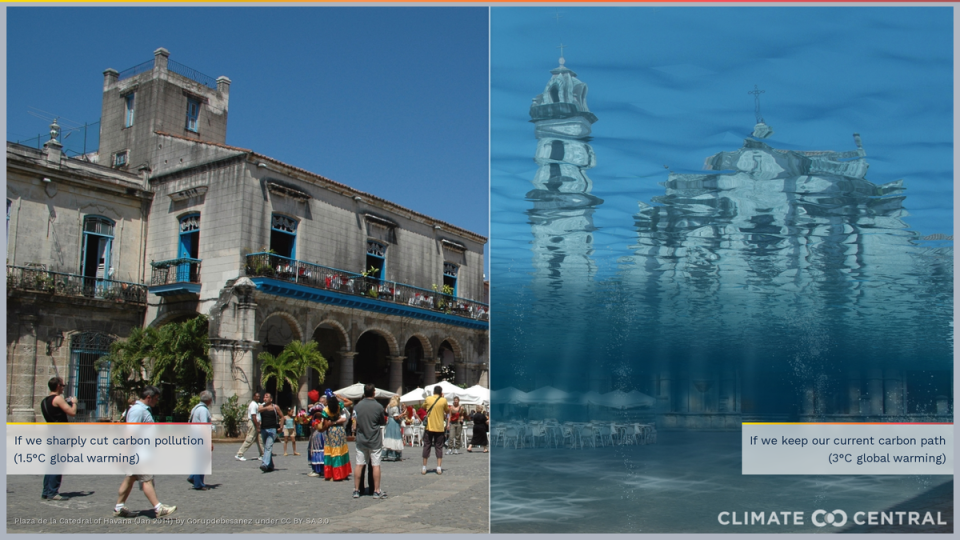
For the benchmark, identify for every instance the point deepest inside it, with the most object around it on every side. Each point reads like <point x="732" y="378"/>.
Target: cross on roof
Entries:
<point x="756" y="98"/>
<point x="561" y="53"/>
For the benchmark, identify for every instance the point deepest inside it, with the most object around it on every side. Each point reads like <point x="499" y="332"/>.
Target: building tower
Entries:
<point x="162" y="96"/>
<point x="561" y="218"/>
<point x="562" y="213"/>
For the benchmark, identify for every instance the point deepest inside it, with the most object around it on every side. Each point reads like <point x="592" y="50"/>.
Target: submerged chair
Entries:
<point x="588" y="433"/>
<point x="515" y="433"/>
<point x="567" y="432"/>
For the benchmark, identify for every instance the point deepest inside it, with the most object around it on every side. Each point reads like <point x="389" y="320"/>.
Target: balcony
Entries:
<point x="39" y="279"/>
<point x="176" y="276"/>
<point x="297" y="279"/>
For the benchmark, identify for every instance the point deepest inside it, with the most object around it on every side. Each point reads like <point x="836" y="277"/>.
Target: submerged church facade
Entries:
<point x="269" y="252"/>
<point x="780" y="285"/>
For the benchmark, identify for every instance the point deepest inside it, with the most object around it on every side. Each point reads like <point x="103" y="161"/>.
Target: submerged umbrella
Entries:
<point x="508" y="395"/>
<point x="546" y="395"/>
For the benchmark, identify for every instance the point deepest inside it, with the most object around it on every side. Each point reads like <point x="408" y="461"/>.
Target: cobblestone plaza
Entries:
<point x="245" y="500"/>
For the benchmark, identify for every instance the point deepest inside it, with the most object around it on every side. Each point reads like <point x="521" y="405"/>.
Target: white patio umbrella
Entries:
<point x="481" y="394"/>
<point x="623" y="400"/>
<point x="546" y="395"/>
<point x="355" y="392"/>
<point x="413" y="396"/>
<point x="450" y="391"/>
<point x="642" y="401"/>
<point x="591" y="398"/>
<point x="508" y="395"/>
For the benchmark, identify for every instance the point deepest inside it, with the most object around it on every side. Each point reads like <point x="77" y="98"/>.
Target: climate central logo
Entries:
<point x="821" y="518"/>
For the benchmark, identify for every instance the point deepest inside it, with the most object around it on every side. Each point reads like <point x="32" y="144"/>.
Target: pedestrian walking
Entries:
<point x="201" y="415"/>
<point x="480" y="426"/>
<point x="253" y="429"/>
<point x="56" y="409"/>
<point x="336" y="454"/>
<point x="393" y="435"/>
<point x="140" y="413"/>
<point x="269" y="423"/>
<point x="317" y="433"/>
<point x="369" y="440"/>
<point x="289" y="432"/>
<point x="456" y="427"/>
<point x="436" y="415"/>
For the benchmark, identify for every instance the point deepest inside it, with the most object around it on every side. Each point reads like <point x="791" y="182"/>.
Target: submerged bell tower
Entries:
<point x="562" y="213"/>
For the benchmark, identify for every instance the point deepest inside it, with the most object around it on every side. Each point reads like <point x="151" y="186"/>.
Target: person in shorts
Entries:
<point x="140" y="413"/>
<point x="436" y="419"/>
<point x="290" y="431"/>
<point x="369" y="439"/>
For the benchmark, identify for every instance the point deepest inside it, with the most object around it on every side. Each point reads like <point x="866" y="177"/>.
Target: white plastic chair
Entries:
<point x="515" y="433"/>
<point x="605" y="432"/>
<point x="567" y="432"/>
<point x="538" y="431"/>
<point x="588" y="433"/>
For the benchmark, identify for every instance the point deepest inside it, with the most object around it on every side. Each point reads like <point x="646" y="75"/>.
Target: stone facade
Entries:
<point x="58" y="297"/>
<point x="269" y="252"/>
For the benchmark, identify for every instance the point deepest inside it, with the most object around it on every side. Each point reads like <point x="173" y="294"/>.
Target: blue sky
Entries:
<point x="391" y="101"/>
<point x="669" y="85"/>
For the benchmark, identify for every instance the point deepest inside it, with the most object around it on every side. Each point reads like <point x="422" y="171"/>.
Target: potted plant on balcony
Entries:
<point x="369" y="285"/>
<point x="260" y="266"/>
<point x="445" y="298"/>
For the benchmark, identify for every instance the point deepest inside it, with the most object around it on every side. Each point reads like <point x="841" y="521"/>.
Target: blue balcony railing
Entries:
<point x="182" y="270"/>
<point x="321" y="277"/>
<point x="38" y="279"/>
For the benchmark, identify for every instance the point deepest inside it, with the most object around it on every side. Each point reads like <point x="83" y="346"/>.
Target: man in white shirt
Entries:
<point x="253" y="429"/>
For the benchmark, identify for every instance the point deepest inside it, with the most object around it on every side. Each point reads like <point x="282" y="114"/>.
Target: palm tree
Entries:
<point x="291" y="364"/>
<point x="177" y="354"/>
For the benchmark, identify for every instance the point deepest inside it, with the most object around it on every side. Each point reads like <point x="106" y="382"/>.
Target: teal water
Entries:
<point x="758" y="279"/>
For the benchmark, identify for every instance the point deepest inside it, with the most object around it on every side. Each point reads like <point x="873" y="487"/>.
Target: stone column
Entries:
<point x="853" y="393"/>
<point x="346" y="367"/>
<point x="943" y="405"/>
<point x="24" y="369"/>
<point x="809" y="401"/>
<point x="429" y="371"/>
<point x="663" y="397"/>
<point x="892" y="392"/>
<point x="875" y="391"/>
<point x="461" y="372"/>
<point x="160" y="57"/>
<point x="396" y="373"/>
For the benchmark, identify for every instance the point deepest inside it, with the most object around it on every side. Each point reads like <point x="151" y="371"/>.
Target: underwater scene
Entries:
<point x="707" y="216"/>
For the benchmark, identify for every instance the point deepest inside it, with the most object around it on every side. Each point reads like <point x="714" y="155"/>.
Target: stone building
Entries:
<point x="273" y="253"/>
<point x="75" y="271"/>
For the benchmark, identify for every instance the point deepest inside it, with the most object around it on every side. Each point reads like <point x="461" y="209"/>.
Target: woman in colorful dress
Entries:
<point x="336" y="455"/>
<point x="393" y="437"/>
<point x="317" y="437"/>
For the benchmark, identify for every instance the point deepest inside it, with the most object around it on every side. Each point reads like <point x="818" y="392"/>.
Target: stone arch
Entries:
<point x="172" y="316"/>
<point x="288" y="318"/>
<point x="428" y="349"/>
<point x="391" y="340"/>
<point x="341" y="332"/>
<point x="373" y="362"/>
<point x="455" y="346"/>
<point x="272" y="338"/>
